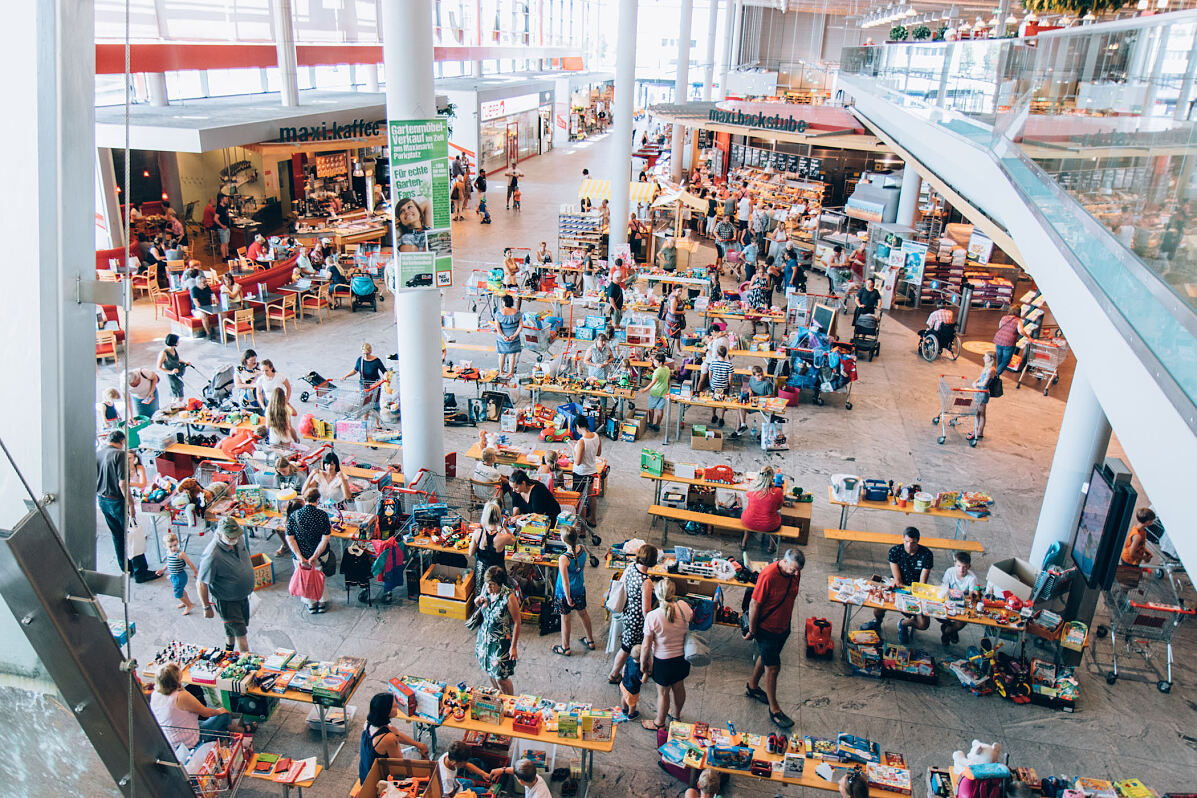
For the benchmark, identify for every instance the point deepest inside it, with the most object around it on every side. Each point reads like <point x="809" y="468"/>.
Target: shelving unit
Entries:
<point x="576" y="230"/>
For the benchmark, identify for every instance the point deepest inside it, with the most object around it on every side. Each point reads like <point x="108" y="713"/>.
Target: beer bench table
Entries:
<point x="846" y="536"/>
<point x="960" y="517"/>
<point x="668" y="514"/>
<point x="797" y="514"/>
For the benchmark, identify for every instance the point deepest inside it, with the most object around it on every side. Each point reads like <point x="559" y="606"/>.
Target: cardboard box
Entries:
<point x="263" y="570"/>
<point x="432" y="605"/>
<point x="712" y="441"/>
<point x="447" y="587"/>
<point x="400" y="768"/>
<point x="1015" y="575"/>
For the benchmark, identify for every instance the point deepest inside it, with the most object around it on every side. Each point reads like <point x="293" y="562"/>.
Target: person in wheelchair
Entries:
<point x="941" y="323"/>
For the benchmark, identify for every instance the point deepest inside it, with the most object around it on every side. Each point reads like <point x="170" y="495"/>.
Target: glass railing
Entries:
<point x="1093" y="125"/>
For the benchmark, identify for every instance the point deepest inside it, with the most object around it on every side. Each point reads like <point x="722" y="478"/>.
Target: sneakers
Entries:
<point x="871" y="626"/>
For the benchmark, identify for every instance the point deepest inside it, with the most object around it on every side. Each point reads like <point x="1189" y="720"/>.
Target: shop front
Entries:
<point x="511" y="130"/>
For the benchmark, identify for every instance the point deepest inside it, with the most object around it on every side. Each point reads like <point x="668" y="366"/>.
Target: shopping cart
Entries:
<point x="957" y="399"/>
<point x="217" y="765"/>
<point x="1042" y="360"/>
<point x="347" y="398"/>
<point x="1145" y="606"/>
<point x="209" y="472"/>
<point x="538" y="340"/>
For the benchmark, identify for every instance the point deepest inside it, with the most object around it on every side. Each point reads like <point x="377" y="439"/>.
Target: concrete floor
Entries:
<point x="1122" y="731"/>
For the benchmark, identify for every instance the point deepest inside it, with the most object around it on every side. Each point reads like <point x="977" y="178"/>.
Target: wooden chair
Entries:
<point x="105" y="345"/>
<point x="160" y="298"/>
<point x="242" y="323"/>
<point x="316" y="302"/>
<point x="281" y="311"/>
<point x="241" y="252"/>
<point x="176" y="268"/>
<point x="341" y="291"/>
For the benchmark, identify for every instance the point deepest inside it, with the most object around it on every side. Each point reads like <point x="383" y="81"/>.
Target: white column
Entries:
<point x="728" y="20"/>
<point x="284" y="43"/>
<point x="407" y="64"/>
<point x="680" y="90"/>
<point x="1084" y="437"/>
<point x="709" y="65"/>
<point x="108" y="204"/>
<point x="48" y="425"/>
<point x="371" y="75"/>
<point x="156" y="83"/>
<point x="908" y="198"/>
<point x="737" y="30"/>
<point x="477" y="71"/>
<point x="620" y="168"/>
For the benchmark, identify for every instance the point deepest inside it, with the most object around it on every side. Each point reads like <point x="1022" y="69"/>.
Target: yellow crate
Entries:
<point x="432" y="605"/>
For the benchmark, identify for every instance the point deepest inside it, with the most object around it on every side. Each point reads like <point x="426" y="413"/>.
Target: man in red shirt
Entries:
<point x="210" y="214"/>
<point x="769" y="624"/>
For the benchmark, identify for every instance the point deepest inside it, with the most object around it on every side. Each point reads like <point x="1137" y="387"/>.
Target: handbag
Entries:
<point x="328" y="563"/>
<point x="617" y="596"/>
<point x="307" y="583"/>
<point x="995" y="387"/>
<point x="696" y="651"/>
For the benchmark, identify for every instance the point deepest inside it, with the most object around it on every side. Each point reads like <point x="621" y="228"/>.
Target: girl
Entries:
<point x="411" y="226"/>
<point x="570" y="594"/>
<point x="268" y="381"/>
<point x="762" y="501"/>
<point x="552" y="469"/>
<point x="380" y="739"/>
<point x="987" y="372"/>
<point x="110" y="414"/>
<point x="176" y="565"/>
<point x="244" y="378"/>
<point x="662" y="654"/>
<point x="279" y="421"/>
<point x="508" y="343"/>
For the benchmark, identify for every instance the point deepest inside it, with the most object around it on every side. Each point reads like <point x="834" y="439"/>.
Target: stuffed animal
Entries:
<point x="981" y="755"/>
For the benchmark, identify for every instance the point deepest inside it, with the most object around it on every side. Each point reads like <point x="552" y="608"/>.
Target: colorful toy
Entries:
<point x="818" y="638"/>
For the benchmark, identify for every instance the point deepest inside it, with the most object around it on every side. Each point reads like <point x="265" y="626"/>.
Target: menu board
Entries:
<point x="704" y="139"/>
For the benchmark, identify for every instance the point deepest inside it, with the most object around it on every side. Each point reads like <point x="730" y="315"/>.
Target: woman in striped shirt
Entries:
<point x="719" y="374"/>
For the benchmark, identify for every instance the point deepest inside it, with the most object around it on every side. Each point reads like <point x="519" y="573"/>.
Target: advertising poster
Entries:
<point x="914" y="257"/>
<point x="420" y="192"/>
<point x="980" y="248"/>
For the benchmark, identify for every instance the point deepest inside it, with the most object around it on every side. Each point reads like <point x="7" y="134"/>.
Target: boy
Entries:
<point x="958" y="577"/>
<point x="177" y="563"/>
<point x="657" y="387"/>
<point x="629" y="685"/>
<point x="483" y="211"/>
<point x="525" y="773"/>
<point x="515" y="205"/>
<point x="453" y="760"/>
<point x="708" y="785"/>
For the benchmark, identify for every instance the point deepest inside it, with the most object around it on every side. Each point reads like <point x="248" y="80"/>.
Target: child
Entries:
<point x="629" y="686"/>
<point x="525" y="771"/>
<point x="708" y="785"/>
<point x="453" y="760"/>
<point x="958" y="577"/>
<point x="552" y="468"/>
<point x="483" y="211"/>
<point x="177" y="563"/>
<point x="111" y="416"/>
<point x="515" y="199"/>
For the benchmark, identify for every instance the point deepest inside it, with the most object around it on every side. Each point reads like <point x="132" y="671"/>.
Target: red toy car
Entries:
<point x="818" y="638"/>
<point x="554" y="435"/>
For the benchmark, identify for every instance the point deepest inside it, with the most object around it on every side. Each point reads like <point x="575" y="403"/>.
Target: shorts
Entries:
<point x="629" y="698"/>
<point x="235" y="615"/>
<point x="769" y="646"/>
<point x="719" y="250"/>
<point x="668" y="672"/>
<point x="179" y="583"/>
<point x="225" y="234"/>
<point x="565" y="609"/>
<point x="656" y="402"/>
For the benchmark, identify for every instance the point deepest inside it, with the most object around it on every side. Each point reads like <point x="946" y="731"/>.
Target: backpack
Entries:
<point x="995" y="387"/>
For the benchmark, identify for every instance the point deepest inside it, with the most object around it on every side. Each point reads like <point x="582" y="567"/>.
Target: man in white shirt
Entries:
<point x="743" y="212"/>
<point x="525" y="773"/>
<point x="959" y="577"/>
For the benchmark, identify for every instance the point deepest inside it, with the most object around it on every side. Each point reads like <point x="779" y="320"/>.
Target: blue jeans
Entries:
<point x="114" y="515"/>
<point x="146" y="409"/>
<point x="217" y="725"/>
<point x="1003" y="356"/>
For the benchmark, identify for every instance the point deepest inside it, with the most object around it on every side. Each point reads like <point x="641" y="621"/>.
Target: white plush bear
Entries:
<point x="980" y="753"/>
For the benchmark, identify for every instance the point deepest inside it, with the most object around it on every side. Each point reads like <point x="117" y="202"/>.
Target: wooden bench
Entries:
<point x="668" y="514"/>
<point x="846" y="536"/>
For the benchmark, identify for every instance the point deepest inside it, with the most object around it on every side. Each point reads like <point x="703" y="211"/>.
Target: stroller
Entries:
<point x="219" y="390"/>
<point x="363" y="291"/>
<point x="865" y="335"/>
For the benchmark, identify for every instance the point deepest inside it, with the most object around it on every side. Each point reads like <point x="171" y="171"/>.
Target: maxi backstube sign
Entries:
<point x="420" y="204"/>
<point x="762" y="121"/>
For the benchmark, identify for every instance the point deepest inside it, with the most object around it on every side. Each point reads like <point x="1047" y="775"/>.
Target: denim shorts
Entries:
<point x="179" y="583"/>
<point x="656" y="402"/>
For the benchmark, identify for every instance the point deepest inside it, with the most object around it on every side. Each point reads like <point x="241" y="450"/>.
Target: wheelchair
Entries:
<point x="932" y="343"/>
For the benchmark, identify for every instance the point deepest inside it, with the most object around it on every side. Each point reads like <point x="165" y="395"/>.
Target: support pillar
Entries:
<point x="371" y="74"/>
<point x="728" y="19"/>
<point x="908" y="198"/>
<point x="407" y="63"/>
<point x="1084" y="437"/>
<point x="620" y="169"/>
<point x="477" y="69"/>
<point x="107" y="201"/>
<point x="709" y="62"/>
<point x="680" y="89"/>
<point x="156" y="83"/>
<point x="172" y="186"/>
<point x="737" y="26"/>
<point x="284" y="42"/>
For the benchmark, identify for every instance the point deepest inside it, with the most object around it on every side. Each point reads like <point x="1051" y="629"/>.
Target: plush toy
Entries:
<point x="976" y="785"/>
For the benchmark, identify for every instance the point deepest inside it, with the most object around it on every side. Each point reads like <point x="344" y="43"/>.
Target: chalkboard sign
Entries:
<point x="737" y="156"/>
<point x="792" y="163"/>
<point x="823" y="318"/>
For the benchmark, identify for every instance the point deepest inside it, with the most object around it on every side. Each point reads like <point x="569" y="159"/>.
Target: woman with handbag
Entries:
<point x="638" y="592"/>
<point x="308" y="531"/>
<point x="662" y="655"/>
<point x="985" y="387"/>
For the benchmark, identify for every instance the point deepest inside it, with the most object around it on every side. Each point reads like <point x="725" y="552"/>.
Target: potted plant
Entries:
<point x="898" y="33"/>
<point x="921" y="33"/>
<point x="940" y="33"/>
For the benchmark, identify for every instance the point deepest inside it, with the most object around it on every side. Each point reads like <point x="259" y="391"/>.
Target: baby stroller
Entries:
<point x="363" y="292"/>
<point x="219" y="390"/>
<point x="865" y="335"/>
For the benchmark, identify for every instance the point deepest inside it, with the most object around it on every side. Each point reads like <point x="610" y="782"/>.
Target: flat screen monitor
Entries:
<point x="1092" y="543"/>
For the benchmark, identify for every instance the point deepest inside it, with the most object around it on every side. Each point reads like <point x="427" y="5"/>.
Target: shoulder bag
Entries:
<point x="617" y="595"/>
<point x="748" y="597"/>
<point x="995" y="387"/>
<point x="696" y="651"/>
<point x="328" y="563"/>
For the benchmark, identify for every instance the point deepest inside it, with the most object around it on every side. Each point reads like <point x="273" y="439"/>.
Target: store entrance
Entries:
<point x="546" y="129"/>
<point x="513" y="139"/>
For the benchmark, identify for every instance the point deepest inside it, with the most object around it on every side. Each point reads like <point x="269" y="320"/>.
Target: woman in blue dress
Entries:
<point x="507" y="334"/>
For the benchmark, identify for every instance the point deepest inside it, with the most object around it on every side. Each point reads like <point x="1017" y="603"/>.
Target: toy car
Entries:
<point x="554" y="435"/>
<point x="818" y="638"/>
<point x="420" y="279"/>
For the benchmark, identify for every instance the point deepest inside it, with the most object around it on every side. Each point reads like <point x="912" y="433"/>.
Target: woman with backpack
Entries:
<point x="570" y="595"/>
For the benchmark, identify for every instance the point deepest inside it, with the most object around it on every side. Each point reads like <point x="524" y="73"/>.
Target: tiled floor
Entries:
<point x="1121" y="731"/>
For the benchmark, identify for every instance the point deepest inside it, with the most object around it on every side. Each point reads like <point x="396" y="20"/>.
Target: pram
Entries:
<point x="865" y="335"/>
<point x="362" y="292"/>
<point x="219" y="390"/>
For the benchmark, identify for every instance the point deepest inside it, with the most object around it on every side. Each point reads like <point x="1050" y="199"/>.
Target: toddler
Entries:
<point x="177" y="563"/>
<point x="515" y="199"/>
<point x="629" y="685"/>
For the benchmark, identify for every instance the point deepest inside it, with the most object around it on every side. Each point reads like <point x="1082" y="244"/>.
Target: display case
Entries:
<point x="576" y="230"/>
<point x="883" y="257"/>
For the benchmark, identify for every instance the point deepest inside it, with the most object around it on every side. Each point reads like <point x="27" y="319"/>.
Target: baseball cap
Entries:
<point x="229" y="528"/>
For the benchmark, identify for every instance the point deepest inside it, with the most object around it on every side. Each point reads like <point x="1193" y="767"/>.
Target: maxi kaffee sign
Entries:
<point x="358" y="128"/>
<point x="762" y="121"/>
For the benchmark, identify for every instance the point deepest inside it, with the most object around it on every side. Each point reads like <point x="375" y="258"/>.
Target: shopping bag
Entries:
<point x="696" y="650"/>
<point x="617" y="596"/>
<point x="307" y="583"/>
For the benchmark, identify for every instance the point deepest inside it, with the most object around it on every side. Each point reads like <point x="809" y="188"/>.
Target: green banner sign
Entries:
<point x="420" y="190"/>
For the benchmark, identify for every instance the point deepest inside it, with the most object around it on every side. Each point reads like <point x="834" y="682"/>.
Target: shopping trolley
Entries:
<point x="1145" y="607"/>
<point x="218" y="763"/>
<point x="1042" y="360"/>
<point x="209" y="472"/>
<point x="347" y="398"/>
<point x="958" y="398"/>
<point x="538" y="340"/>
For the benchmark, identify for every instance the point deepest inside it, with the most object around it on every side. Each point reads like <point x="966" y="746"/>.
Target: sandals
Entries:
<point x="781" y="719"/>
<point x="651" y="725"/>
<point x="558" y="649"/>
<point x="757" y="693"/>
<point x="586" y="641"/>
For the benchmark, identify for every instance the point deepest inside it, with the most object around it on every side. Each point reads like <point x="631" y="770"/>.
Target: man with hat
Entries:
<point x="226" y="580"/>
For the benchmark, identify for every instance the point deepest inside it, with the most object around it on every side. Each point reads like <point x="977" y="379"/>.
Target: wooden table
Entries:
<point x="219" y="312"/>
<point x="960" y="517"/>
<point x="799" y="512"/>
<point x="521" y="461"/>
<point x="249" y="771"/>
<point x="778" y="354"/>
<point x="620" y="395"/>
<point x="761" y="404"/>
<point x="769" y="317"/>
<point x="373" y="444"/>
<point x="587" y="748"/>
